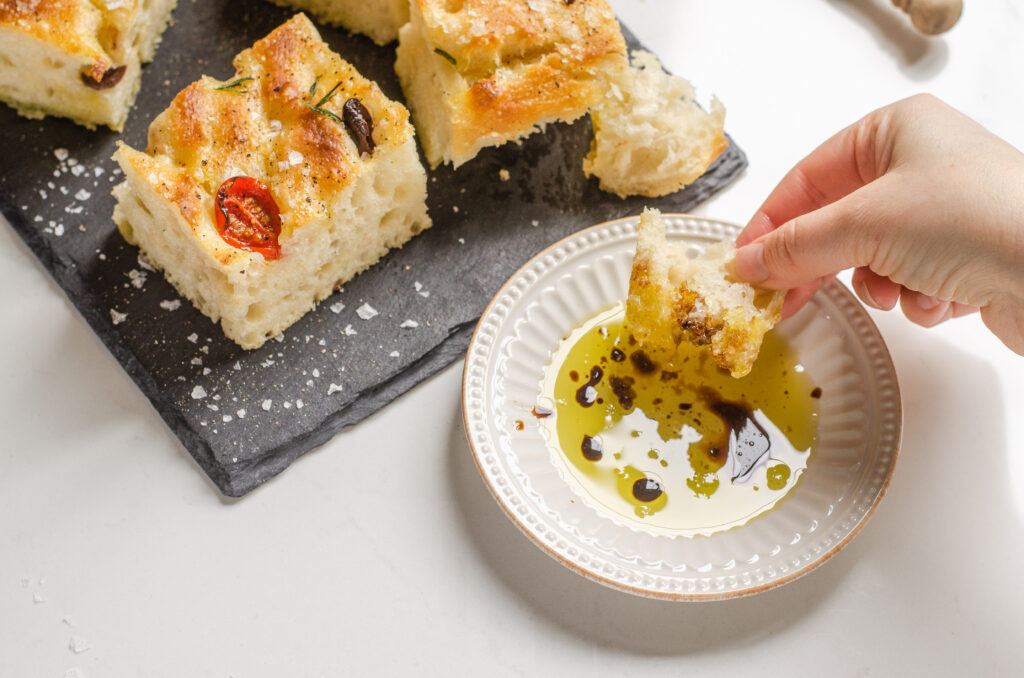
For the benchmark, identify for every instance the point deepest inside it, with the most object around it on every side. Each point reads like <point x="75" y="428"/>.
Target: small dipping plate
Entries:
<point x="859" y="422"/>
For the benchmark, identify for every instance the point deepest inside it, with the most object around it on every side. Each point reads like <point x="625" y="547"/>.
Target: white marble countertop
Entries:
<point x="382" y="553"/>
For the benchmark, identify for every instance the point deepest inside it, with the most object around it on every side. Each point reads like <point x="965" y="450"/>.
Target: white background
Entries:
<point x="382" y="553"/>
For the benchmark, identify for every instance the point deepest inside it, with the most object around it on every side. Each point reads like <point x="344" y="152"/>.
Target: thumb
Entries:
<point x="815" y="245"/>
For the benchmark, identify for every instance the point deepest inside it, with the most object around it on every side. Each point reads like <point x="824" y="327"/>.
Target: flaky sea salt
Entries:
<point x="409" y="324"/>
<point x="170" y="304"/>
<point x="366" y="311"/>
<point x="117" y="317"/>
<point x="294" y="158"/>
<point x="137" y="278"/>
<point x="83" y="194"/>
<point x="198" y="393"/>
<point x="394" y="354"/>
<point x="338" y="307"/>
<point x="61" y="154"/>
<point x="193" y="337"/>
<point x="78" y="645"/>
<point x="349" y="330"/>
<point x="266" y="405"/>
<point x="333" y="388"/>
<point x="418" y="286"/>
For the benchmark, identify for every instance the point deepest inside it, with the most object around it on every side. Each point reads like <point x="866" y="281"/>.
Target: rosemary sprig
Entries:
<point x="446" y="55"/>
<point x="318" y="106"/>
<point x="236" y="87"/>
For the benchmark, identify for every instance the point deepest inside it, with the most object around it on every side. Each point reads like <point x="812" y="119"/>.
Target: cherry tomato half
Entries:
<point x="247" y="216"/>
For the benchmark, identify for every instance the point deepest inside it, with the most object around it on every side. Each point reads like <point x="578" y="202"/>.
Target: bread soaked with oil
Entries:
<point x="674" y="297"/>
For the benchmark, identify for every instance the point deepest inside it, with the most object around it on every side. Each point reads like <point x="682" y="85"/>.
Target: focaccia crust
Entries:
<point x="500" y="69"/>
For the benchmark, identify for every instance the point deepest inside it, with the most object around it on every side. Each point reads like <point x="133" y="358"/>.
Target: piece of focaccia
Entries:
<point x="258" y="195"/>
<point x="77" y="59"/>
<point x="674" y="297"/>
<point x="479" y="73"/>
<point x="650" y="136"/>
<point x="377" y="19"/>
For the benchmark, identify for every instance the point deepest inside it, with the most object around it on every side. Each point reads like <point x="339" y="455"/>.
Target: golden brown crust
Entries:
<point x="258" y="123"/>
<point x="80" y="28"/>
<point x="521" y="62"/>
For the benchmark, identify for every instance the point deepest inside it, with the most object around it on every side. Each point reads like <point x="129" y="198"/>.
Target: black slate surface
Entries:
<point x="246" y="415"/>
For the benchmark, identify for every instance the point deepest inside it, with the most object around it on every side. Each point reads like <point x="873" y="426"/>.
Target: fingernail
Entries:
<point x="865" y="296"/>
<point x="926" y="302"/>
<point x="750" y="264"/>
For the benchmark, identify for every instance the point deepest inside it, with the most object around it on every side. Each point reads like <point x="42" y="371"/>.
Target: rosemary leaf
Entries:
<point x="323" y="111"/>
<point x="236" y="87"/>
<point x="329" y="95"/>
<point x="446" y="55"/>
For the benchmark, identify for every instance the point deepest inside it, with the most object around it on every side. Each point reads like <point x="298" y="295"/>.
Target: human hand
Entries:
<point x="925" y="204"/>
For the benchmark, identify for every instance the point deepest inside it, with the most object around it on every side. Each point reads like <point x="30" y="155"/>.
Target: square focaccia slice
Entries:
<point x="78" y="59"/>
<point x="377" y="19"/>
<point x="479" y="73"/>
<point x="258" y="195"/>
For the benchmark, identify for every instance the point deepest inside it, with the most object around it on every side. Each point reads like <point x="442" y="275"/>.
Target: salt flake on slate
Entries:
<point x="227" y="418"/>
<point x="170" y="304"/>
<point x="138" y="278"/>
<point x="316" y="373"/>
<point x="237" y="366"/>
<point x="409" y="324"/>
<point x="240" y="413"/>
<point x="83" y="194"/>
<point x="333" y="388"/>
<point x="198" y="393"/>
<point x="349" y="331"/>
<point x="58" y="230"/>
<point x="116" y="317"/>
<point x="366" y="311"/>
<point x="338" y="307"/>
<point x="193" y="337"/>
<point x="196" y="361"/>
<point x="418" y="286"/>
<point x="299" y="404"/>
<point x="78" y="645"/>
<point x="39" y="598"/>
<point x="394" y="354"/>
<point x="144" y="263"/>
<point x="266" y="405"/>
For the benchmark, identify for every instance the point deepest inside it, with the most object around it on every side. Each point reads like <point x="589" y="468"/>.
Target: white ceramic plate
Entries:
<point x="835" y="340"/>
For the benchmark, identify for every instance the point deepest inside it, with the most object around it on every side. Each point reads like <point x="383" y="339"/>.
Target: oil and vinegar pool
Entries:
<point x="671" y="444"/>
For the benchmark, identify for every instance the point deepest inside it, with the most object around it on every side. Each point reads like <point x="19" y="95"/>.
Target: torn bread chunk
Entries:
<point x="674" y="297"/>
<point x="651" y="138"/>
<point x="479" y="73"/>
<point x="77" y="59"/>
<point x="258" y="195"/>
<point x="377" y="19"/>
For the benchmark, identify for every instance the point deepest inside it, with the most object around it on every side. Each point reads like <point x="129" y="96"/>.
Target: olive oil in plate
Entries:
<point x="672" y="444"/>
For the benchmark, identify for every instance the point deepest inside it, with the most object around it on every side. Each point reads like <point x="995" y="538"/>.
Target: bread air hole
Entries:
<point x="256" y="313"/>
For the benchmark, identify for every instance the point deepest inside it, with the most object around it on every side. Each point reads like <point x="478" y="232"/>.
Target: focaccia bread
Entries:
<point x="480" y="73"/>
<point x="258" y="195"/>
<point x="378" y="19"/>
<point x="650" y="136"/>
<point x="77" y="59"/>
<point x="675" y="298"/>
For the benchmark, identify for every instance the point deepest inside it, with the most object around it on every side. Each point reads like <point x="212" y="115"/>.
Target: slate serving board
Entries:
<point x="246" y="415"/>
